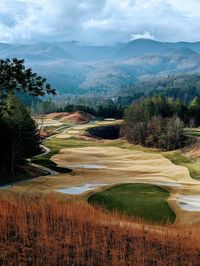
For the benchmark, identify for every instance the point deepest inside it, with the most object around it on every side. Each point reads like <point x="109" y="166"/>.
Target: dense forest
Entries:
<point x="159" y="122"/>
<point x="178" y="86"/>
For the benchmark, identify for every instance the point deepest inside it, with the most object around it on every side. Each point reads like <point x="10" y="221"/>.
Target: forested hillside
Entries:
<point x="178" y="86"/>
<point x="77" y="68"/>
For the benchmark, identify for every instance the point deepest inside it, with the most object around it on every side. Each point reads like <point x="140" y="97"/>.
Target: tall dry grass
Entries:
<point x="47" y="232"/>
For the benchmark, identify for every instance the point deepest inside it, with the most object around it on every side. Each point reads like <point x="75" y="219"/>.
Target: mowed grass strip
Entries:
<point x="147" y="202"/>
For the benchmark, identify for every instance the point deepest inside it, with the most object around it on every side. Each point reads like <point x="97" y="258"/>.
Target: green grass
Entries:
<point x="55" y="145"/>
<point x="178" y="158"/>
<point x="193" y="132"/>
<point x="143" y="201"/>
<point x="58" y="127"/>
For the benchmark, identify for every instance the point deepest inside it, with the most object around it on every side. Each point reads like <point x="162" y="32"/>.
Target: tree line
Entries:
<point x="103" y="110"/>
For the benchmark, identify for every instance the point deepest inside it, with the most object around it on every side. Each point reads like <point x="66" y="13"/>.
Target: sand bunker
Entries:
<point x="80" y="189"/>
<point x="189" y="202"/>
<point x="167" y="184"/>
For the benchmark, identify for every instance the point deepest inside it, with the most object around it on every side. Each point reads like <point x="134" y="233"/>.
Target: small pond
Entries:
<point x="105" y="132"/>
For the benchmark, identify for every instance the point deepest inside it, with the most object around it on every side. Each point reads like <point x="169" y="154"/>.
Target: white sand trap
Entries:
<point x="63" y="136"/>
<point x="80" y="189"/>
<point x="167" y="184"/>
<point x="52" y="123"/>
<point x="73" y="131"/>
<point x="88" y="166"/>
<point x="109" y="119"/>
<point x="189" y="203"/>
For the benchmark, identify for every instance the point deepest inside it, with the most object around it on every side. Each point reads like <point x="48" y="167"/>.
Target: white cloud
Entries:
<point x="145" y="35"/>
<point x="99" y="21"/>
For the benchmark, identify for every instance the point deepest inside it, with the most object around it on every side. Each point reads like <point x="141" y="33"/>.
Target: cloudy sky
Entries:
<point x="99" y="21"/>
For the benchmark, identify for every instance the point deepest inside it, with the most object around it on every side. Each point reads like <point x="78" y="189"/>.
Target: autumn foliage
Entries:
<point x="39" y="232"/>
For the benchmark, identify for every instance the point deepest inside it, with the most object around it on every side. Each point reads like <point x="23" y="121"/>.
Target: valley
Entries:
<point x="84" y="165"/>
<point x="99" y="133"/>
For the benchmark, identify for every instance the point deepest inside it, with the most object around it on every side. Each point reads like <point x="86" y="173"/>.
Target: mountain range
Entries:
<point x="74" y="68"/>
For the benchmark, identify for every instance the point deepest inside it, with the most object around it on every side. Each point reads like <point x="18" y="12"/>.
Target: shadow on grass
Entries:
<point x="46" y="162"/>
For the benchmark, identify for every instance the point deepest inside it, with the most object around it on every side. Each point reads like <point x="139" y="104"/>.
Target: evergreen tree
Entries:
<point x="24" y="141"/>
<point x="194" y="109"/>
<point x="19" y="139"/>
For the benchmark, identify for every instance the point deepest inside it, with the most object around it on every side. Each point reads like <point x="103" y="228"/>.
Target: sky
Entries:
<point x="99" y="21"/>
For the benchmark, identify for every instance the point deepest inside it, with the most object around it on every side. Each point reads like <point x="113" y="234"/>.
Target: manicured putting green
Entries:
<point x="143" y="201"/>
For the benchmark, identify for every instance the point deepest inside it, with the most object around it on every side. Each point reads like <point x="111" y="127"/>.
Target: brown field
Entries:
<point x="64" y="117"/>
<point x="47" y="232"/>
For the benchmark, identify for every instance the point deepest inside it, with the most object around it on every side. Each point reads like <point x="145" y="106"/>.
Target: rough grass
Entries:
<point x="143" y="201"/>
<point x="57" y="128"/>
<point x="55" y="145"/>
<point x="178" y="158"/>
<point x="38" y="231"/>
<point x="45" y="160"/>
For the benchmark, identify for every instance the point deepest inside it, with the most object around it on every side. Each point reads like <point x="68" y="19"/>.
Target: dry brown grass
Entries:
<point x="76" y="117"/>
<point x="35" y="231"/>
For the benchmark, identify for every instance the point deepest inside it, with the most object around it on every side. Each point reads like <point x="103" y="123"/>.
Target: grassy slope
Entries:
<point x="139" y="200"/>
<point x="175" y="157"/>
<point x="178" y="158"/>
<point x="55" y="145"/>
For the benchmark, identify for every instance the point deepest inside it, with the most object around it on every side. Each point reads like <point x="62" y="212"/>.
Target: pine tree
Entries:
<point x="19" y="139"/>
<point x="24" y="141"/>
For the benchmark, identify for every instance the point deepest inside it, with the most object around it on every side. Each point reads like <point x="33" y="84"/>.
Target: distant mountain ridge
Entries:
<point x="76" y="68"/>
